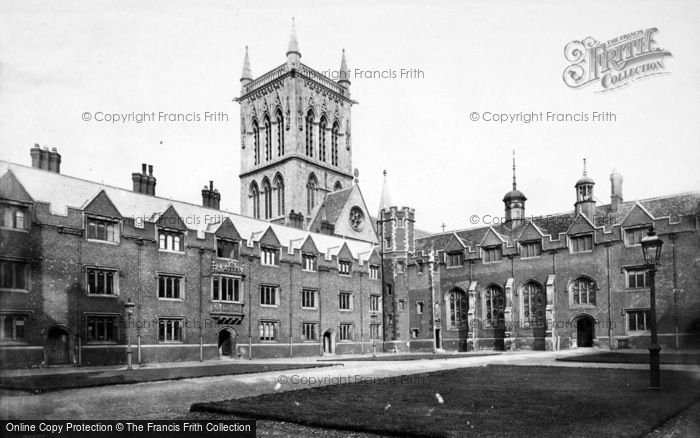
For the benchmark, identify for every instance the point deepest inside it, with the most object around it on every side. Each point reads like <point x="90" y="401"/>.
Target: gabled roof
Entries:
<point x="492" y="238"/>
<point x="270" y="239"/>
<point x="580" y="225"/>
<point x="227" y="230"/>
<point x="637" y="216"/>
<point x="331" y="207"/>
<point x="170" y="218"/>
<point x="11" y="188"/>
<point x="309" y="245"/>
<point x="63" y="191"/>
<point x="101" y="205"/>
<point x="530" y="232"/>
<point x="454" y="244"/>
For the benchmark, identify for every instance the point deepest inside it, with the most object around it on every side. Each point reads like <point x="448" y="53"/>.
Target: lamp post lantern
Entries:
<point x="129" y="307"/>
<point x="651" y="248"/>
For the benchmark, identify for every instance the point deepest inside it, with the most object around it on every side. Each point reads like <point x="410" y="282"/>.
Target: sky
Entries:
<point x="59" y="60"/>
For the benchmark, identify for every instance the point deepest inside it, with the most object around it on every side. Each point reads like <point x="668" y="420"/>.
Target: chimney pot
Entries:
<point x="150" y="170"/>
<point x="143" y="168"/>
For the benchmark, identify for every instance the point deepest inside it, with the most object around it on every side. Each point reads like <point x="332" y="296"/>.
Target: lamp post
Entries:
<point x="129" y="306"/>
<point x="651" y="247"/>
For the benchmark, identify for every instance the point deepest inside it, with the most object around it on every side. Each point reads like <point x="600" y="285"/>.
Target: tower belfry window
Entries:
<point x="280" y="133"/>
<point x="322" y="139"/>
<point x="256" y="143"/>
<point x="268" y="138"/>
<point x="334" y="144"/>
<point x="310" y="134"/>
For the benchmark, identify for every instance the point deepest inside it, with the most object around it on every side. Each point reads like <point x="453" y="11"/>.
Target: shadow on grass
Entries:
<point x="83" y="379"/>
<point x="669" y="359"/>
<point x="412" y="356"/>
<point x="485" y="401"/>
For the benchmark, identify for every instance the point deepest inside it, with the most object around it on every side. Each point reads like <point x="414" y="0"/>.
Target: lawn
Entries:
<point x="412" y="356"/>
<point x="613" y="357"/>
<point x="485" y="401"/>
<point x="83" y="379"/>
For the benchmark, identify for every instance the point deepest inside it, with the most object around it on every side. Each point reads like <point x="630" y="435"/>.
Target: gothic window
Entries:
<point x="582" y="291"/>
<point x="255" y="196"/>
<point x="322" y="139"/>
<point x="310" y="134"/>
<point x="337" y="186"/>
<point x="279" y="185"/>
<point x="268" y="138"/>
<point x="334" y="144"/>
<point x="457" y="306"/>
<point x="256" y="142"/>
<point x="280" y="133"/>
<point x="533" y="303"/>
<point x="311" y="194"/>
<point x="494" y="306"/>
<point x="267" y="195"/>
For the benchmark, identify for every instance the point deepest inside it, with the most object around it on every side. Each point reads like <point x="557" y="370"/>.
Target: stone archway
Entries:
<point x="227" y="342"/>
<point x="585" y="330"/>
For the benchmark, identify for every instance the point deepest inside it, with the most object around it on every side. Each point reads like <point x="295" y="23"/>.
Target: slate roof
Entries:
<point x="62" y="192"/>
<point x="672" y="206"/>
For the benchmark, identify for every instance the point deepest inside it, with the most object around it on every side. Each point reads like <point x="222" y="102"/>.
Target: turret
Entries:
<point x="585" y="202"/>
<point x="514" y="203"/>
<point x="344" y="74"/>
<point x="246" y="75"/>
<point x="615" y="191"/>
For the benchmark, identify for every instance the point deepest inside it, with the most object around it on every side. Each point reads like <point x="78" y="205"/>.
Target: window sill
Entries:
<point x="225" y="301"/>
<point x="638" y="333"/>
<point x="171" y="342"/>
<point x="269" y="266"/>
<point x="108" y="242"/>
<point x="19" y="230"/>
<point x="531" y="258"/>
<point x="587" y="251"/>
<point x="101" y="343"/>
<point x="309" y="308"/>
<point x="102" y="295"/>
<point x="24" y="291"/>
<point x="309" y="270"/>
<point x="455" y="267"/>
<point x="637" y="289"/>
<point x="171" y="251"/>
<point x="269" y="305"/>
<point x="345" y="310"/>
<point x="171" y="299"/>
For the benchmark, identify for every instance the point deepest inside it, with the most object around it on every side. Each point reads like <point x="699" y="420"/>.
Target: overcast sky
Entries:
<point x="61" y="59"/>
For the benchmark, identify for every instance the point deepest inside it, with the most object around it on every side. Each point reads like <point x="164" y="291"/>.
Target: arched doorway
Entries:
<point x="534" y="306"/>
<point x="57" y="346"/>
<point x="585" y="331"/>
<point x="328" y="342"/>
<point x="227" y="342"/>
<point x="495" y="306"/>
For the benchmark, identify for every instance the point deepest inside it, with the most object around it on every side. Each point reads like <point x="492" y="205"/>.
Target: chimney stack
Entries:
<point x="211" y="197"/>
<point x="143" y="182"/>
<point x="44" y="159"/>
<point x="615" y="191"/>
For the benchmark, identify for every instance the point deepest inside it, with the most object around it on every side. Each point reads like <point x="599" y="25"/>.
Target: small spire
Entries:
<point x="385" y="199"/>
<point x="344" y="72"/>
<point x="514" y="183"/>
<point x="293" y="43"/>
<point x="247" y="74"/>
<point x="585" y="172"/>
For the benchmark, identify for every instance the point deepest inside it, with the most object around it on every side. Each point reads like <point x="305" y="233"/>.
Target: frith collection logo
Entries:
<point x="615" y="63"/>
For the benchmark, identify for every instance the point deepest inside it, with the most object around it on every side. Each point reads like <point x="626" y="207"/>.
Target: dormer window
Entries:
<point x="344" y="267"/>
<point x="530" y="249"/>
<point x="227" y="249"/>
<point x="269" y="256"/>
<point x="491" y="254"/>
<point x="633" y="236"/>
<point x="172" y="241"/>
<point x="308" y="262"/>
<point x="14" y="217"/>
<point x="373" y="272"/>
<point x="102" y="229"/>
<point x="455" y="259"/>
<point x="581" y="243"/>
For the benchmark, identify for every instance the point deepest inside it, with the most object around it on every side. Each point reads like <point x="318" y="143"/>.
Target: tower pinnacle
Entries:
<point x="514" y="183"/>
<point x="344" y="79"/>
<point x="247" y="74"/>
<point x="293" y="47"/>
<point x="385" y="199"/>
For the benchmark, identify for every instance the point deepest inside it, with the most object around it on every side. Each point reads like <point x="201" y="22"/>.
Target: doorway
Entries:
<point x="57" y="347"/>
<point x="328" y="343"/>
<point x="227" y="342"/>
<point x="584" y="331"/>
<point x="438" y="340"/>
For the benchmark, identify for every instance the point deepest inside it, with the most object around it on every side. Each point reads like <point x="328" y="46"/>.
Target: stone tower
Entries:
<point x="395" y="226"/>
<point x="295" y="139"/>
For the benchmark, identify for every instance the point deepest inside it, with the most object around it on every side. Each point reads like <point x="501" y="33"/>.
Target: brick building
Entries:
<point x="550" y="282"/>
<point x="306" y="270"/>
